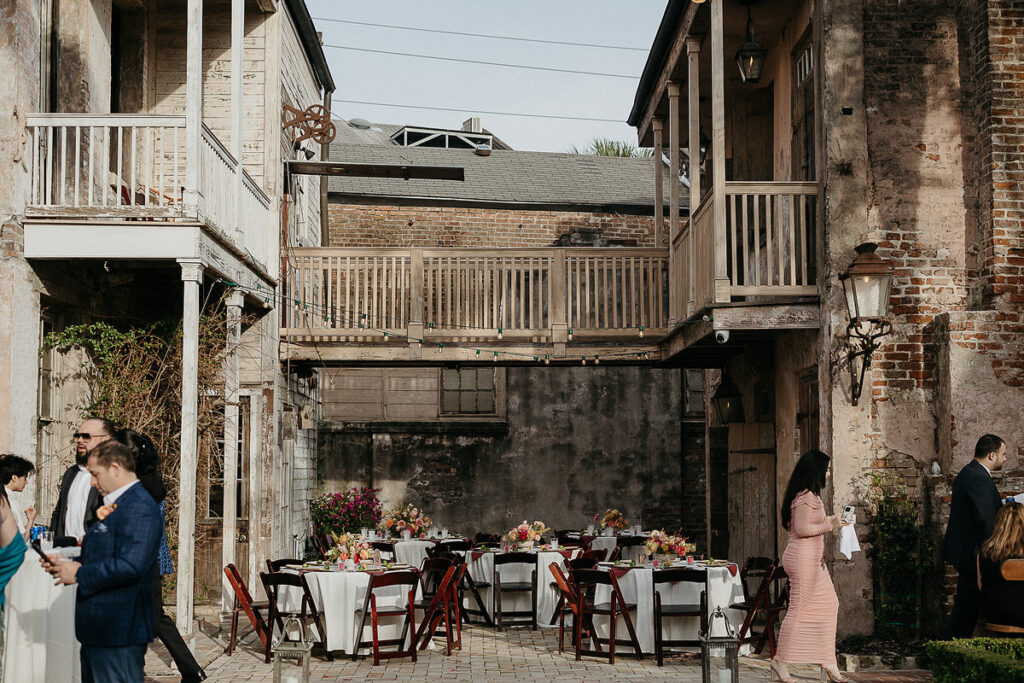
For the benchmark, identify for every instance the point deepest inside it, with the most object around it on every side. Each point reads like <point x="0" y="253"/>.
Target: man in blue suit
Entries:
<point x="114" y="608"/>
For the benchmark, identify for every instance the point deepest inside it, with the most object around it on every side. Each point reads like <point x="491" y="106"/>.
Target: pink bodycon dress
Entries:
<point x="808" y="633"/>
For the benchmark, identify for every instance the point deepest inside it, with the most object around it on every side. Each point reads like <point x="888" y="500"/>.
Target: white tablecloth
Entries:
<point x="412" y="552"/>
<point x="39" y="625"/>
<point x="337" y="596"/>
<point x="638" y="587"/>
<point x="482" y="569"/>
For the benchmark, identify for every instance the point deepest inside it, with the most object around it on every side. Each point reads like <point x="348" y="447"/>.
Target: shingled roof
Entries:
<point x="506" y="178"/>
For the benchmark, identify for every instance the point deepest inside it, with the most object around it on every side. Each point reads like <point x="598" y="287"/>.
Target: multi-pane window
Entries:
<point x="468" y="391"/>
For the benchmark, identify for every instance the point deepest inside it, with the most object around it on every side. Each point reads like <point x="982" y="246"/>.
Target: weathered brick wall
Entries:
<point x="364" y="225"/>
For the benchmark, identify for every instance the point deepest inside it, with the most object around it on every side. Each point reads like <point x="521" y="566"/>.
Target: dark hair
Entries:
<point x="113" y="451"/>
<point x="147" y="461"/>
<point x="13" y="466"/>
<point x="108" y="426"/>
<point x="808" y="475"/>
<point x="989" y="443"/>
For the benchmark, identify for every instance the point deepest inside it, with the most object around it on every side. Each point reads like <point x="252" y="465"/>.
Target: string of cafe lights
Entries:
<point x="361" y="320"/>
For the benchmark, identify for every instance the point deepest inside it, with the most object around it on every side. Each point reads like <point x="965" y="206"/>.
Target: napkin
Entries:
<point x="848" y="543"/>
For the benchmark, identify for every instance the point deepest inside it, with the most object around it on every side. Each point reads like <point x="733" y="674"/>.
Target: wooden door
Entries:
<point x="752" y="505"/>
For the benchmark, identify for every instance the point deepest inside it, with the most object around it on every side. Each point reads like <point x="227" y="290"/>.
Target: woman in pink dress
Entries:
<point x="808" y="633"/>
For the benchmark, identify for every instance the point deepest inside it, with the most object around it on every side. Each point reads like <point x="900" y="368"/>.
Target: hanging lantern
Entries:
<point x="719" y="650"/>
<point x="728" y="401"/>
<point x="750" y="56"/>
<point x="291" y="658"/>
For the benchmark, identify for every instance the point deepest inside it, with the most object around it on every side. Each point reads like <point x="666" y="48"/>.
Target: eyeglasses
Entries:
<point x="85" y="436"/>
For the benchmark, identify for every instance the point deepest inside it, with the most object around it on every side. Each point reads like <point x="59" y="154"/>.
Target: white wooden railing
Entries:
<point x="129" y="166"/>
<point x="463" y="294"/>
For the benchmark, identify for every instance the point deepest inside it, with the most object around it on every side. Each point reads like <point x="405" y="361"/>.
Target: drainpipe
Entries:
<point x="325" y="149"/>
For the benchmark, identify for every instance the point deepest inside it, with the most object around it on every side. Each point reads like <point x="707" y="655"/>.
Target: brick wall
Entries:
<point x="362" y="225"/>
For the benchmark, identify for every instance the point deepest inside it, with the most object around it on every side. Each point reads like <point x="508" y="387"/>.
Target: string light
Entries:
<point x="583" y="360"/>
<point x="641" y="328"/>
<point x="500" y="335"/>
<point x="597" y="360"/>
<point x="440" y="347"/>
<point x="570" y="334"/>
<point x="547" y="359"/>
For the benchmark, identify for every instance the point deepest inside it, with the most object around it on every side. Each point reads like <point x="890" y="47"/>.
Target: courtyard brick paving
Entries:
<point x="487" y="655"/>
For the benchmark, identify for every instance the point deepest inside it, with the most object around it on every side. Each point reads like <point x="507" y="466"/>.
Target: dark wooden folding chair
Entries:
<point x="567" y="605"/>
<point x="473" y="587"/>
<point x="403" y="604"/>
<point x="482" y="538"/>
<point x="624" y="543"/>
<point x="616" y="554"/>
<point x="274" y="566"/>
<point x="779" y="587"/>
<point x="527" y="563"/>
<point x="244" y="603"/>
<point x="384" y="548"/>
<point x="308" y="611"/>
<point x="1012" y="570"/>
<point x="442" y="606"/>
<point x="581" y="562"/>
<point x="673" y="610"/>
<point x="756" y="571"/>
<point x="585" y="583"/>
<point x="596" y="555"/>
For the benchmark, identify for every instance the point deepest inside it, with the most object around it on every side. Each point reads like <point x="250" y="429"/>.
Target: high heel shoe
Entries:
<point x="780" y="671"/>
<point x="835" y="676"/>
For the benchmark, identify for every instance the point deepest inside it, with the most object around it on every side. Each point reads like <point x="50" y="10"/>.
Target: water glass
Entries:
<point x="46" y="541"/>
<point x="406" y="535"/>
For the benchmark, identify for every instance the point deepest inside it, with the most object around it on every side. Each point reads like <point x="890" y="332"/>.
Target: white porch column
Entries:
<point x="193" y="105"/>
<point x="675" y="305"/>
<point x="234" y="334"/>
<point x="659" y="186"/>
<point x="237" y="118"/>
<point x="693" y="111"/>
<point x="192" y="277"/>
<point x="718" y="150"/>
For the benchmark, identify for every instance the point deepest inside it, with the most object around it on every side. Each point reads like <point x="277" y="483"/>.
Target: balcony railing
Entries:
<point x="476" y="294"/>
<point x="768" y="238"/>
<point x="127" y="166"/>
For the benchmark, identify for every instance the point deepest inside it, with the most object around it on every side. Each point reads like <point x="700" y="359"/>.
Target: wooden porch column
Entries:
<point x="237" y="118"/>
<point x="559" y="319"/>
<point x="416" y="308"/>
<point x="659" y="189"/>
<point x="191" y="277"/>
<point x="718" y="151"/>
<point x="233" y="338"/>
<point x="693" y="110"/>
<point x="193" y="106"/>
<point x="675" y="305"/>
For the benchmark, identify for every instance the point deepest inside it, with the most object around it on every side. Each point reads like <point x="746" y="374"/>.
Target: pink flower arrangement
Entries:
<point x="612" y="518"/>
<point x="345" y="511"/>
<point x="349" y="547"/>
<point x="660" y="543"/>
<point x="404" y="518"/>
<point x="527" y="533"/>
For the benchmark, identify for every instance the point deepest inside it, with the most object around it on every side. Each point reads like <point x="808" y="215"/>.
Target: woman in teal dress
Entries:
<point x="12" y="551"/>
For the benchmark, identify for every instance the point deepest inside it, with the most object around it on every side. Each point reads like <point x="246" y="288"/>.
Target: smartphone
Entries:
<point x="39" y="550"/>
<point x="848" y="513"/>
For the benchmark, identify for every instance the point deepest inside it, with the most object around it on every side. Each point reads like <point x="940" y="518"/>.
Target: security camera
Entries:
<point x="722" y="336"/>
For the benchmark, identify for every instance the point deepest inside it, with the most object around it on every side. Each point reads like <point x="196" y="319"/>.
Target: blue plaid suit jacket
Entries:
<point x="115" y="582"/>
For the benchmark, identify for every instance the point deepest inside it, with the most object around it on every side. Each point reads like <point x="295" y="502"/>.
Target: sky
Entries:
<point x="473" y="89"/>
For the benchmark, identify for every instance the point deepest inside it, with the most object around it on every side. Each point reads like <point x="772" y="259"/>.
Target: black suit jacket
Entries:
<point x="971" y="516"/>
<point x="59" y="512"/>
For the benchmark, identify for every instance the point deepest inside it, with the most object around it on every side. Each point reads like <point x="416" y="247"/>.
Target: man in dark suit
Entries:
<point x="971" y="518"/>
<point x="76" y="507"/>
<point x="114" y="606"/>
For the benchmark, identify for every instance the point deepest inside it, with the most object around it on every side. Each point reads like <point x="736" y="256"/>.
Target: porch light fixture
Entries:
<point x="728" y="401"/>
<point x="750" y="56"/>
<point x="866" y="284"/>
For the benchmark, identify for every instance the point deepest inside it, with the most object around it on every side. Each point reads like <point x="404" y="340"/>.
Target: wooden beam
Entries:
<point x="692" y="24"/>
<point x="693" y="113"/>
<point x="787" y="316"/>
<point x="193" y="107"/>
<point x="673" y="174"/>
<point x="659" y="189"/>
<point x="399" y="354"/>
<point x="333" y="168"/>
<point x="721" y="291"/>
<point x="234" y="303"/>
<point x="237" y="115"/>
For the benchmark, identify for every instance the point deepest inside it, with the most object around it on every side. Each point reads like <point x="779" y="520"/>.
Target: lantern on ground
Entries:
<point x="719" y="650"/>
<point x="291" y="658"/>
<point x="867" y="284"/>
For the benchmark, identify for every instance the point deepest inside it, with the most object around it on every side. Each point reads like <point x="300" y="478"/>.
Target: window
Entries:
<point x="807" y="418"/>
<point x="803" y="111"/>
<point x="216" y="499"/>
<point x="468" y="391"/>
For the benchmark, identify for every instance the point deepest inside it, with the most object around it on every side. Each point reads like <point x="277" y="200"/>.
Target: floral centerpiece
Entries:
<point x="404" y="518"/>
<point x="349" y="547"/>
<point x="612" y="519"/>
<point x="660" y="543"/>
<point x="526" y="534"/>
<point x="345" y="512"/>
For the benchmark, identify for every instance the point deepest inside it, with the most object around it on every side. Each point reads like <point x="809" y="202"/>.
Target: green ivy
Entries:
<point x="982" y="660"/>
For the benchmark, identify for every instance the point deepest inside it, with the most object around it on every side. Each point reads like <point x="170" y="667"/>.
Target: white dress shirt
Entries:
<point x="112" y="497"/>
<point x="78" y="499"/>
<point x="19" y="501"/>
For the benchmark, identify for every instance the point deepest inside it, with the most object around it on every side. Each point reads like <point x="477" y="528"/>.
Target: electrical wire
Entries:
<point x="482" y="35"/>
<point x="477" y="61"/>
<point x="478" y="111"/>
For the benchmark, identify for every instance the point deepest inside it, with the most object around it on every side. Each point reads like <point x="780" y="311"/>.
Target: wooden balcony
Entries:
<point x="130" y="169"/>
<point x="443" y="305"/>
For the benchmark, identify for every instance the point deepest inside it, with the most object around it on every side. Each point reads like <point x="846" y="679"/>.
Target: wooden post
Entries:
<point x="230" y="518"/>
<point x="559" y="321"/>
<point x="416" y="308"/>
<point x="237" y="118"/>
<point x="659" y="188"/>
<point x="718" y="151"/>
<point x="193" y="107"/>
<point x="191" y="277"/>
<point x="693" y="110"/>
<point x="674" y="306"/>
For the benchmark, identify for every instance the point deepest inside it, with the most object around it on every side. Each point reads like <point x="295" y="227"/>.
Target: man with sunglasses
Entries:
<point x="79" y="499"/>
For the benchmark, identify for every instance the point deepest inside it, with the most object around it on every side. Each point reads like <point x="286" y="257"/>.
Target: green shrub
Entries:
<point x="985" y="660"/>
<point x="345" y="511"/>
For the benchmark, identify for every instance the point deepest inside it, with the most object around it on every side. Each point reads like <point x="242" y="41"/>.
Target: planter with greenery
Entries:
<point x="346" y="511"/>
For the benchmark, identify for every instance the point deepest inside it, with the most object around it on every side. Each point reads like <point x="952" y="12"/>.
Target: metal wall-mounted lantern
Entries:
<point x="750" y="56"/>
<point x="728" y="401"/>
<point x="719" y="651"/>
<point x="867" y="284"/>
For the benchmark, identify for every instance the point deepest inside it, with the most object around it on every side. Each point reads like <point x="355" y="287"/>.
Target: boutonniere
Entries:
<point x="104" y="511"/>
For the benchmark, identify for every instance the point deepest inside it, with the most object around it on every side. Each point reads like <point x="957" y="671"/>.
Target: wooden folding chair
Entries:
<point x="473" y="586"/>
<point x="501" y="587"/>
<point x="308" y="611"/>
<point x="596" y="555"/>
<point x="585" y="583"/>
<point x="567" y="604"/>
<point x="664" y="611"/>
<point x="274" y="566"/>
<point x="758" y="569"/>
<point x="375" y="609"/>
<point x="442" y="606"/>
<point x="245" y="603"/>
<point x="779" y="586"/>
<point x="1012" y="570"/>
